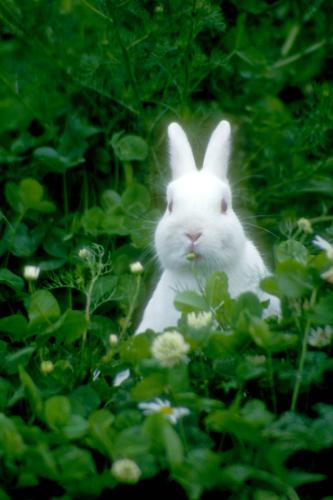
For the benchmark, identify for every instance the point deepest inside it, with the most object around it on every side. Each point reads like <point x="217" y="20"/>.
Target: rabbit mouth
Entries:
<point x="193" y="256"/>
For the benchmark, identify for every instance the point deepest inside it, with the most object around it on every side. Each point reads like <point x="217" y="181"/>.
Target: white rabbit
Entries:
<point x="199" y="220"/>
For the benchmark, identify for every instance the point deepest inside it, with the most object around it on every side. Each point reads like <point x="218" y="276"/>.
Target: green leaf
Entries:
<point x="323" y="311"/>
<point x="20" y="357"/>
<point x="135" y="349"/>
<point x="135" y="199"/>
<point x="57" y="411"/>
<point x="84" y="400"/>
<point x="25" y="242"/>
<point x="73" y="325"/>
<point x="11" y="443"/>
<point x="173" y="446"/>
<point x="129" y="147"/>
<point x="271" y="341"/>
<point x="32" y="392"/>
<point x="130" y="443"/>
<point x="150" y="387"/>
<point x="189" y="301"/>
<point x="216" y="290"/>
<point x="200" y="470"/>
<point x="52" y="159"/>
<point x="28" y="195"/>
<point x="269" y="285"/>
<point x="43" y="308"/>
<point x="15" y="326"/>
<point x="10" y="279"/>
<point x="100" y="430"/>
<point x="292" y="279"/>
<point x="249" y="302"/>
<point x="75" y="464"/>
<point x="76" y="427"/>
<point x="104" y="287"/>
<point x="291" y="250"/>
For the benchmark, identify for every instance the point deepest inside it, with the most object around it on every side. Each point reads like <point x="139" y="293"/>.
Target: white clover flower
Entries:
<point x="84" y="253"/>
<point x="126" y="471"/>
<point x="31" y="273"/>
<point x="320" y="337"/>
<point x="136" y="267"/>
<point x="121" y="377"/>
<point x="170" y="348"/>
<point x="324" y="245"/>
<point x="199" y="320"/>
<point x="164" y="407"/>
<point x="305" y="225"/>
<point x="46" y="367"/>
<point x="113" y="339"/>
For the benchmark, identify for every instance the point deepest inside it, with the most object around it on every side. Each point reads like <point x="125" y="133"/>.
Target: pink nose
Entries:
<point x="193" y="236"/>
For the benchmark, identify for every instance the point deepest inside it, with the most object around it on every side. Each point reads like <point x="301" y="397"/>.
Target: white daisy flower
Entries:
<point x="121" y="377"/>
<point x="320" y="337"/>
<point x="31" y="273"/>
<point x="126" y="471"/>
<point x="136" y="267"/>
<point x="199" y="320"/>
<point x="164" y="407"/>
<point x="170" y="348"/>
<point x="324" y="245"/>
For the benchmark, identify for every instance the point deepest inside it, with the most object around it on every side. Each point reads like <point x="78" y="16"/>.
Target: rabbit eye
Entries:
<point x="170" y="206"/>
<point x="224" y="206"/>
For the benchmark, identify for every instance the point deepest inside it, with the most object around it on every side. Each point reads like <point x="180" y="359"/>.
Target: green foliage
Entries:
<point x="87" y="89"/>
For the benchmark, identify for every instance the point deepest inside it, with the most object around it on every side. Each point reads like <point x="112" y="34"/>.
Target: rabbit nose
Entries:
<point x="193" y="236"/>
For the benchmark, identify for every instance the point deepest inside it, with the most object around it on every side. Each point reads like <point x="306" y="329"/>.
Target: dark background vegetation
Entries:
<point x="87" y="89"/>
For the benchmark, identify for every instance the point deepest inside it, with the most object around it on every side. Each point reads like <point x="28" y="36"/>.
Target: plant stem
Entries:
<point x="271" y="380"/>
<point x="125" y="54"/>
<point x="88" y="306"/>
<point x="302" y="357"/>
<point x="128" y="318"/>
<point x="299" y="55"/>
<point x="322" y="218"/>
<point x="65" y="196"/>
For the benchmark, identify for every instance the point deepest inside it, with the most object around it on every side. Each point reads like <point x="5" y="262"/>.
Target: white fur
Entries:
<point x="196" y="210"/>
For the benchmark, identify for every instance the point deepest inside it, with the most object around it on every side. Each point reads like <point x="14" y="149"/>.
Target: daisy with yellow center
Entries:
<point x="164" y="407"/>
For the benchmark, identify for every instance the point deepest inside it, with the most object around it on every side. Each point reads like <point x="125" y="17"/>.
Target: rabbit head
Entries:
<point x="199" y="219"/>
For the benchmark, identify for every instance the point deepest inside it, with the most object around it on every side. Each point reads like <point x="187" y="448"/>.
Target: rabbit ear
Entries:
<point x="218" y="151"/>
<point x="181" y="156"/>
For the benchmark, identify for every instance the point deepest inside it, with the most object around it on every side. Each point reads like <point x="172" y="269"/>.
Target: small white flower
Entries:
<point x="31" y="273"/>
<point x="305" y="225"/>
<point x="199" y="320"/>
<point x="46" y="367"/>
<point x="84" y="253"/>
<point x="164" y="407"/>
<point x="136" y="267"/>
<point x="121" y="377"/>
<point x="328" y="275"/>
<point x="170" y="348"/>
<point x="324" y="245"/>
<point x="320" y="337"/>
<point x="113" y="340"/>
<point x="126" y="471"/>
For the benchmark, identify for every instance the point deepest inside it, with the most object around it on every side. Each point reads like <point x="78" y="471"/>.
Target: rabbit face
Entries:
<point x="199" y="220"/>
